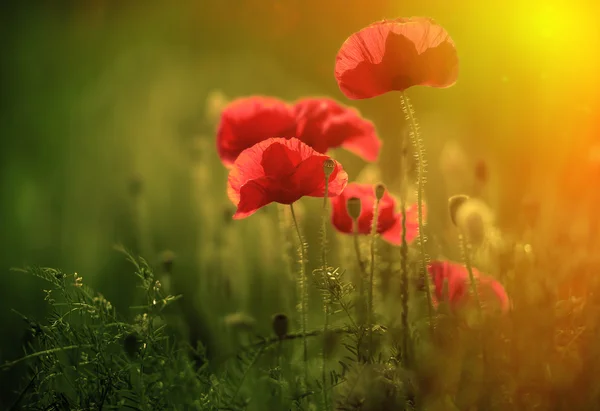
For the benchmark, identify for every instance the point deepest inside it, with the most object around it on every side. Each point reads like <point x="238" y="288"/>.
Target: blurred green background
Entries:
<point x="108" y="123"/>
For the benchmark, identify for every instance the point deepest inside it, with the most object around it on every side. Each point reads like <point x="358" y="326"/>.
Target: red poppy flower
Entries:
<point x="389" y="222"/>
<point x="459" y="285"/>
<point x="249" y="120"/>
<point x="323" y="123"/>
<point x="280" y="170"/>
<point x="395" y="55"/>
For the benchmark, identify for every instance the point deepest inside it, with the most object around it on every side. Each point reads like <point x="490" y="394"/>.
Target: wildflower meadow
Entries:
<point x="206" y="238"/>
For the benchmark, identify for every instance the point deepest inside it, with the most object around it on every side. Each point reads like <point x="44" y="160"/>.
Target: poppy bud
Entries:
<point x="136" y="185"/>
<point x="167" y="257"/>
<point x="454" y="204"/>
<point x="354" y="207"/>
<point x="328" y="166"/>
<point x="379" y="191"/>
<point x="280" y="325"/>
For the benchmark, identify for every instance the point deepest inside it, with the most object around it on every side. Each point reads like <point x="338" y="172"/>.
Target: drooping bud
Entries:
<point x="379" y="191"/>
<point x="280" y="325"/>
<point x="353" y="206"/>
<point x="136" y="185"/>
<point x="328" y="167"/>
<point x="454" y="204"/>
<point x="167" y="257"/>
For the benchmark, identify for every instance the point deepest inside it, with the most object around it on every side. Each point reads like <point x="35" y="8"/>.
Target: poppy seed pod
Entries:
<point x="354" y="207"/>
<point x="454" y="204"/>
<point x="328" y="167"/>
<point x="280" y="325"/>
<point x="379" y="191"/>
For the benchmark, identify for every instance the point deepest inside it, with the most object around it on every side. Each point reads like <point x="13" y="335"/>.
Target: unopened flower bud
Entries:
<point x="167" y="257"/>
<point x="136" y="185"/>
<point x="354" y="207"/>
<point x="454" y="204"/>
<point x="379" y="191"/>
<point x="280" y="325"/>
<point x="328" y="167"/>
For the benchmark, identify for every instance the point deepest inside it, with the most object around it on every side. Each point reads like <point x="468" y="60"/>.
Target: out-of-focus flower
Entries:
<point x="389" y="221"/>
<point x="393" y="55"/>
<point x="475" y="220"/>
<point x="491" y="292"/>
<point x="250" y="120"/>
<point x="280" y="170"/>
<point x="323" y="123"/>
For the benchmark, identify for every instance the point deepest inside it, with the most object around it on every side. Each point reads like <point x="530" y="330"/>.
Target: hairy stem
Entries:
<point x="404" y="284"/>
<point x="303" y="292"/>
<point x="420" y="156"/>
<point x="360" y="278"/>
<point x="374" y="225"/>
<point x="325" y="273"/>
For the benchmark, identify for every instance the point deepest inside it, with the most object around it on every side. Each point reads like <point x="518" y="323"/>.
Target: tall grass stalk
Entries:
<point x="417" y="142"/>
<point x="302" y="280"/>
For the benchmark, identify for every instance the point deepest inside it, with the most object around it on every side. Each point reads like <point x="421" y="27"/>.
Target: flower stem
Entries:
<point x="370" y="324"/>
<point x="325" y="273"/>
<point x="360" y="278"/>
<point x="420" y="155"/>
<point x="303" y="292"/>
<point x="404" y="284"/>
<point x="466" y="254"/>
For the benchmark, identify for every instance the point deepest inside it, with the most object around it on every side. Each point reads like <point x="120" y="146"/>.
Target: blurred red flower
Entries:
<point x="396" y="54"/>
<point x="280" y="170"/>
<point x="459" y="283"/>
<point x="323" y="123"/>
<point x="250" y="120"/>
<point x="389" y="221"/>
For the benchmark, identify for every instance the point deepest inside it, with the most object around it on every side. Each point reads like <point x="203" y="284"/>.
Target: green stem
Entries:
<point x="466" y="251"/>
<point x="325" y="273"/>
<point x="420" y="149"/>
<point x="374" y="225"/>
<point x="360" y="280"/>
<point x="404" y="284"/>
<point x="303" y="292"/>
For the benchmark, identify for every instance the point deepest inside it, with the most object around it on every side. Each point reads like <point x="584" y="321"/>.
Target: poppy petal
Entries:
<point x="279" y="170"/>
<point x="366" y="193"/>
<point x="394" y="234"/>
<point x="253" y="195"/>
<point x="279" y="160"/>
<point x="359" y="135"/>
<point x="315" y="183"/>
<point x="395" y="55"/>
<point x="324" y="124"/>
<point x="249" y="120"/>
